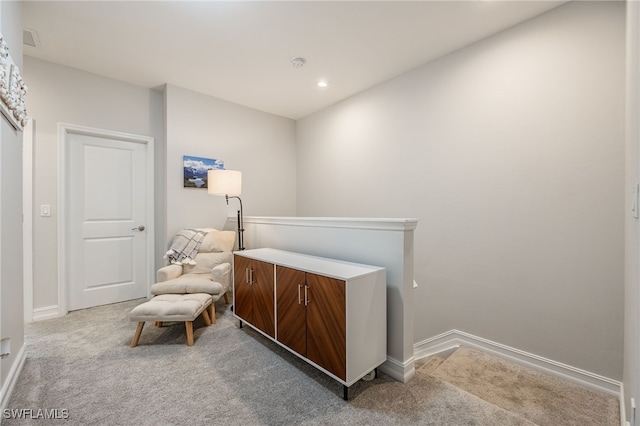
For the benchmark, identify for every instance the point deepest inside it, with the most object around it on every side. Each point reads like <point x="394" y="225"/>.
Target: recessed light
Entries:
<point x="323" y="83"/>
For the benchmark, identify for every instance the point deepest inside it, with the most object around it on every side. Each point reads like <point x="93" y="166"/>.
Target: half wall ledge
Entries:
<point x="386" y="242"/>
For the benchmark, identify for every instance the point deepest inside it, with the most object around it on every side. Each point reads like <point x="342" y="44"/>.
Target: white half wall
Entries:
<point x="384" y="242"/>
<point x="510" y="152"/>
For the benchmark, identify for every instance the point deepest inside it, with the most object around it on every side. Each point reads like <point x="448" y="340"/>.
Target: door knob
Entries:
<point x="139" y="228"/>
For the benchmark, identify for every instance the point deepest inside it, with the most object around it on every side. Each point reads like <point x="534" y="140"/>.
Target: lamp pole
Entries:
<point x="240" y="225"/>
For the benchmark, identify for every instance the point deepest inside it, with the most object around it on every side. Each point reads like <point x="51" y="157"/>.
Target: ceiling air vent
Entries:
<point x="30" y="38"/>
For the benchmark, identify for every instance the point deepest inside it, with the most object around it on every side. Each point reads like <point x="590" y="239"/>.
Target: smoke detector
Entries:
<point x="298" y="61"/>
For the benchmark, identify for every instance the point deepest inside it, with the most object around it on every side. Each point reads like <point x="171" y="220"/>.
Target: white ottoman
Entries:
<point x="173" y="307"/>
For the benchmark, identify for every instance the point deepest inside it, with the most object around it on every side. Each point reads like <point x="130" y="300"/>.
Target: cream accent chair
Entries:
<point x="211" y="274"/>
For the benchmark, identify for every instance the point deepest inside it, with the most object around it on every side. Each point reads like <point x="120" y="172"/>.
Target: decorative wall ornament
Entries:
<point x="13" y="91"/>
<point x="196" y="170"/>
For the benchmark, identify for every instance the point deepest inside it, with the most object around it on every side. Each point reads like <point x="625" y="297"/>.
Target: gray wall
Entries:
<point x="260" y="145"/>
<point x="632" y="278"/>
<point x="511" y="154"/>
<point x="62" y="94"/>
<point x="11" y="297"/>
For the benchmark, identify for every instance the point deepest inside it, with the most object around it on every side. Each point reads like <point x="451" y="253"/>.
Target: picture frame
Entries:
<point x="195" y="170"/>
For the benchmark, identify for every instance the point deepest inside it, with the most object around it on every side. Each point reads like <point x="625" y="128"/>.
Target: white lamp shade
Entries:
<point x="224" y="182"/>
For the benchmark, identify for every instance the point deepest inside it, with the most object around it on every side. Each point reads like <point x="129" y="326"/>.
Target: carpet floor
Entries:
<point x="82" y="366"/>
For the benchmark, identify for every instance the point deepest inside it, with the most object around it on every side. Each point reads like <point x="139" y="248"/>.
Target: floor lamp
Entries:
<point x="229" y="184"/>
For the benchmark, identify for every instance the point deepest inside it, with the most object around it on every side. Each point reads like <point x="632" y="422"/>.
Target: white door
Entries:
<point x="107" y="213"/>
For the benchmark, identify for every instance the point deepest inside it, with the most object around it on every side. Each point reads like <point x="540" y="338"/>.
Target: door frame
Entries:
<point x="27" y="217"/>
<point x="64" y="129"/>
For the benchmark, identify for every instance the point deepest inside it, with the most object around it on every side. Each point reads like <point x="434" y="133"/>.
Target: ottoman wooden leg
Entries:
<point x="226" y="299"/>
<point x="189" y="326"/>
<point x="212" y="312"/>
<point x="136" y="336"/>
<point x="205" y="317"/>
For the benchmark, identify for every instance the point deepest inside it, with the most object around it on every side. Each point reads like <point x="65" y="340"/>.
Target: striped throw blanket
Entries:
<point x="185" y="246"/>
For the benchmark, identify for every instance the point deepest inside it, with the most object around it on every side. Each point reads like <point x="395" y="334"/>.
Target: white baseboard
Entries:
<point x="623" y="411"/>
<point x="48" y="312"/>
<point x="12" y="378"/>
<point x="400" y="371"/>
<point x="455" y="338"/>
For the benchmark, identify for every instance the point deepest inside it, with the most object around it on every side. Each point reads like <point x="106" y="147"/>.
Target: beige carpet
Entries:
<point x="540" y="398"/>
<point x="82" y="363"/>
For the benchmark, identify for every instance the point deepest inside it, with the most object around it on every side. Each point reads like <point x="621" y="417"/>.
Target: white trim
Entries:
<point x="623" y="412"/>
<point x="436" y="344"/>
<point x="400" y="371"/>
<point x="455" y="338"/>
<point x="62" y="228"/>
<point x="63" y="130"/>
<point x="45" y="313"/>
<point x="27" y="218"/>
<point x="12" y="378"/>
<point x="389" y="224"/>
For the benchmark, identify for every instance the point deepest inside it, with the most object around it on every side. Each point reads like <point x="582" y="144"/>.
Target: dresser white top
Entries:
<point x="318" y="265"/>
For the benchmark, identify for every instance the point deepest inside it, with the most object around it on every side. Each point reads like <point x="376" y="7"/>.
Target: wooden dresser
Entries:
<point x="328" y="312"/>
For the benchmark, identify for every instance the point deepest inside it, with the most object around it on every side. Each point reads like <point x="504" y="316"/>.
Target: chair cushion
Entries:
<point x="188" y="283"/>
<point x="217" y="241"/>
<point x="171" y="307"/>
<point x="205" y="262"/>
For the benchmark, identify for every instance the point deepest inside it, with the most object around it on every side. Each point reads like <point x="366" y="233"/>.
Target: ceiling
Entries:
<point x="241" y="51"/>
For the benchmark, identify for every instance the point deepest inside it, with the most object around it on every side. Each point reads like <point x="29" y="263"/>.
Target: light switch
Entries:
<point x="45" y="210"/>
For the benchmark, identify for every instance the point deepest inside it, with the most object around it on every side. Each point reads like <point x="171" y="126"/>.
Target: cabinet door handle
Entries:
<point x="299" y="298"/>
<point x="251" y="277"/>
<point x="306" y="295"/>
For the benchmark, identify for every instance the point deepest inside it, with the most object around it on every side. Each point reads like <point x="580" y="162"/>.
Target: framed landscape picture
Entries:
<point x="196" y="169"/>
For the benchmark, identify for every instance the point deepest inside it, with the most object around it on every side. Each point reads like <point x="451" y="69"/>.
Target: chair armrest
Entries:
<point x="168" y="272"/>
<point x="222" y="274"/>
